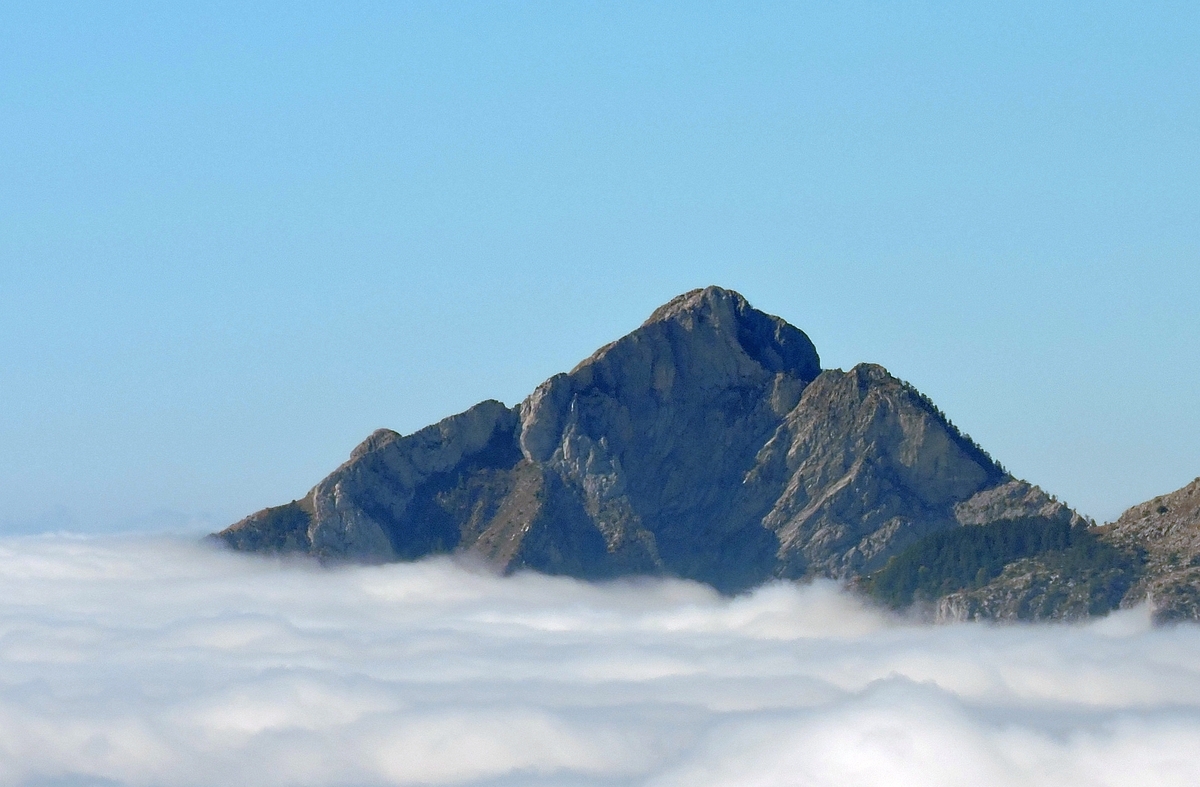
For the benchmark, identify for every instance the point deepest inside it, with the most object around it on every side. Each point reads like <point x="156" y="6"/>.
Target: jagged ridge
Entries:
<point x="706" y="444"/>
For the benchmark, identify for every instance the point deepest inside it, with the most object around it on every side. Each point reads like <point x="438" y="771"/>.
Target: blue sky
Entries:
<point x="234" y="241"/>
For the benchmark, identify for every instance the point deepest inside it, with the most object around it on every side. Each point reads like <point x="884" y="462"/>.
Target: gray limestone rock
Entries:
<point x="862" y="466"/>
<point x="1014" y="500"/>
<point x="1040" y="588"/>
<point x="1167" y="531"/>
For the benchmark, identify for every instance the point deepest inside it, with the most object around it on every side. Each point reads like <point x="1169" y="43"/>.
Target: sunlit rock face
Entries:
<point x="1167" y="531"/>
<point x="707" y="444"/>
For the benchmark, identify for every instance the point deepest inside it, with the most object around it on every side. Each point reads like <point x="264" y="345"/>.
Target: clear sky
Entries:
<point x="233" y="241"/>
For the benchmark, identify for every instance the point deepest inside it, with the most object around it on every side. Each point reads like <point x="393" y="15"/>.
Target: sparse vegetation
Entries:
<point x="965" y="440"/>
<point x="970" y="557"/>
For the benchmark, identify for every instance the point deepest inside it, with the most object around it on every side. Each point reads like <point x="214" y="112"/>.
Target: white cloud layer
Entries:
<point x="161" y="662"/>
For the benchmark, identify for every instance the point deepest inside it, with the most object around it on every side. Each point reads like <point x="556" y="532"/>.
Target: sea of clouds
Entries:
<point x="159" y="661"/>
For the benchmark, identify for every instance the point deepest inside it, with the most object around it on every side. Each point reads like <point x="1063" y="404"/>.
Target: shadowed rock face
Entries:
<point x="706" y="444"/>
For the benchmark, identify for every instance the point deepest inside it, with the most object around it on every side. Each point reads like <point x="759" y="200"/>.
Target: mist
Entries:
<point x="160" y="661"/>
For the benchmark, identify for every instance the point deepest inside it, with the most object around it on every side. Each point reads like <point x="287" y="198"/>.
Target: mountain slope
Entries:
<point x="1150" y="554"/>
<point x="1167" y="531"/>
<point x="706" y="444"/>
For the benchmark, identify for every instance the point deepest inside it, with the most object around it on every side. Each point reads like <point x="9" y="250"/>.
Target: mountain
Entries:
<point x="707" y="444"/>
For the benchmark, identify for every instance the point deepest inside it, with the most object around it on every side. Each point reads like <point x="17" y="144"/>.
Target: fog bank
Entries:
<point x="156" y="661"/>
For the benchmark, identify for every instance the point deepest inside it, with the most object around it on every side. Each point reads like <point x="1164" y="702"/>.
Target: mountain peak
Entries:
<point x="705" y="444"/>
<point x="706" y="301"/>
<point x="726" y="316"/>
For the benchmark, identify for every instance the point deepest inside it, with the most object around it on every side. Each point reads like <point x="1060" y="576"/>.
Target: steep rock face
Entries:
<point x="655" y="432"/>
<point x="706" y="444"/>
<point x="1167" y="531"/>
<point x="861" y="467"/>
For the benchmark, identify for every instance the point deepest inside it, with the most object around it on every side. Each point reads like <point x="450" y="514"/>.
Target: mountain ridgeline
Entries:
<point x="707" y="444"/>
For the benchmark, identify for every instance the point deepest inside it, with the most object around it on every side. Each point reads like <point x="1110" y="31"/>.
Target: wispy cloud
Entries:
<point x="138" y="661"/>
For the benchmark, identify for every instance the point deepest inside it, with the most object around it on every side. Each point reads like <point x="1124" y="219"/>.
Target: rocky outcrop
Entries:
<point x="707" y="444"/>
<point x="1032" y="588"/>
<point x="1166" y="531"/>
<point x="1016" y="554"/>
<point x="1151" y="554"/>
<point x="1047" y="587"/>
<point x="862" y="466"/>
<point x="1014" y="500"/>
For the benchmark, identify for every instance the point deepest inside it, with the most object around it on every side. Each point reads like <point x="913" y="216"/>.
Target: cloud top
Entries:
<point x="156" y="661"/>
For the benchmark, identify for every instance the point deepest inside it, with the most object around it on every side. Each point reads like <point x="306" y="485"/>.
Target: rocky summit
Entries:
<point x="707" y="444"/>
